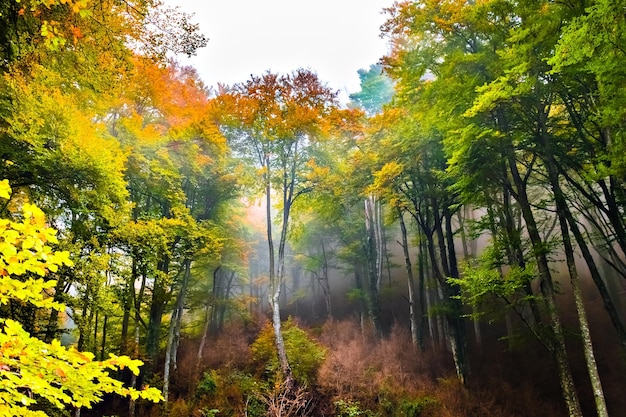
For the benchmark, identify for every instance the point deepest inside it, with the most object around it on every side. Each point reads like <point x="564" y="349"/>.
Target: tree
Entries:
<point x="376" y="90"/>
<point x="178" y="183"/>
<point x="146" y="26"/>
<point x="275" y="121"/>
<point x="508" y="126"/>
<point x="32" y="370"/>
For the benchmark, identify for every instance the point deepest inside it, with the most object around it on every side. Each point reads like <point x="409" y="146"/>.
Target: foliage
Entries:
<point x="350" y="409"/>
<point x="305" y="355"/>
<point x="231" y="391"/>
<point x="414" y="407"/>
<point x="206" y="412"/>
<point x="376" y="90"/>
<point x="31" y="369"/>
<point x="208" y="384"/>
<point x="482" y="281"/>
<point x="146" y="25"/>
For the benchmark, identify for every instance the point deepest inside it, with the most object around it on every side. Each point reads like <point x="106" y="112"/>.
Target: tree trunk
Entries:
<point x="607" y="301"/>
<point x="157" y="310"/>
<point x="326" y="283"/>
<point x="138" y="321"/>
<point x="215" y="296"/>
<point x="224" y="300"/>
<point x="104" y="337"/>
<point x="456" y="321"/>
<point x="592" y="368"/>
<point x="53" y="321"/>
<point x="547" y="289"/>
<point x="467" y="255"/>
<point x="411" y="284"/>
<point x="174" y="331"/>
<point x="374" y="261"/>
<point x="453" y="326"/>
<point x="205" y="333"/>
<point x="424" y="297"/>
<point x="125" y="322"/>
<point x="133" y="381"/>
<point x="275" y="277"/>
<point x="129" y="300"/>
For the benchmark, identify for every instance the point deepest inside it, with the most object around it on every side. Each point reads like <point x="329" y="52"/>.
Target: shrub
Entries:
<point x="350" y="409"/>
<point x="180" y="408"/>
<point x="208" y="384"/>
<point x="414" y="408"/>
<point x="305" y="355"/>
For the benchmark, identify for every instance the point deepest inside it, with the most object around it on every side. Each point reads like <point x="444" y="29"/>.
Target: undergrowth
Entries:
<point x="350" y="373"/>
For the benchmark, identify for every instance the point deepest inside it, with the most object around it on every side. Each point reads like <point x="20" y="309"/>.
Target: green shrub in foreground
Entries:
<point x="305" y="355"/>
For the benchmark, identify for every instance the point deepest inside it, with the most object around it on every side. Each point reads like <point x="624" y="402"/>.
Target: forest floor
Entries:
<point x="363" y="376"/>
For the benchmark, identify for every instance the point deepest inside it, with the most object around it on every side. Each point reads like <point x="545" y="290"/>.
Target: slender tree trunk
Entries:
<point x="125" y="325"/>
<point x="224" y="300"/>
<point x="374" y="261"/>
<point x="94" y="343"/>
<point x="104" y="337"/>
<point x="128" y="304"/>
<point x="157" y="310"/>
<point x="53" y="321"/>
<point x="205" y="333"/>
<point x="511" y="232"/>
<point x="137" y="306"/>
<point x="168" y="353"/>
<point x="381" y="248"/>
<point x="133" y="380"/>
<point x="215" y="296"/>
<point x="608" y="303"/>
<point x="613" y="212"/>
<point x="326" y="283"/>
<point x="424" y="297"/>
<point x="547" y="289"/>
<point x="411" y="285"/>
<point x="456" y="321"/>
<point x="437" y="279"/>
<point x="592" y="368"/>
<point x="386" y="253"/>
<point x="453" y="326"/>
<point x="442" y="324"/>
<point x="174" y="330"/>
<point x="467" y="255"/>
<point x="276" y="278"/>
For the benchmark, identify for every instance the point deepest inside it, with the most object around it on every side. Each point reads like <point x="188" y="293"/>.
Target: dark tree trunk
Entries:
<point x="413" y="320"/>
<point x="592" y="368"/>
<point x="174" y="330"/>
<point x="557" y="342"/>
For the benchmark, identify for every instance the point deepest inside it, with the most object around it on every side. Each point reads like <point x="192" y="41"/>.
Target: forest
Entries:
<point x="449" y="242"/>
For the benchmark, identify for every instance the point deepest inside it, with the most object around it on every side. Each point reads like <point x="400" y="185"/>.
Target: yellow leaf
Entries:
<point x="5" y="189"/>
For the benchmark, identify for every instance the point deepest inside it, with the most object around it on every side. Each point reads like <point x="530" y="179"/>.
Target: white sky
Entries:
<point x="334" y="38"/>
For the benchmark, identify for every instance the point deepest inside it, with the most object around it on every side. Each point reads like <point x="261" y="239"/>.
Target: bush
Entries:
<point x="180" y="408"/>
<point x="305" y="355"/>
<point x="208" y="384"/>
<point x="350" y="409"/>
<point x="414" y="408"/>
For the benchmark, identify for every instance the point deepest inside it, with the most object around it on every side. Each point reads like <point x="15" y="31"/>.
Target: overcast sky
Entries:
<point x="331" y="37"/>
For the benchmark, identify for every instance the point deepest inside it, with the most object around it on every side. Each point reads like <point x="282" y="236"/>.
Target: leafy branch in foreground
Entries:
<point x="31" y="369"/>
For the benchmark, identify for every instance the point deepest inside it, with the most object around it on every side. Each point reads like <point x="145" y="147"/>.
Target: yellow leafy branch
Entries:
<point x="31" y="368"/>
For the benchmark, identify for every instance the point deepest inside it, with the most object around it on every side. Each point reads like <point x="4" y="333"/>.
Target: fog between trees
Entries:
<point x="466" y="204"/>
